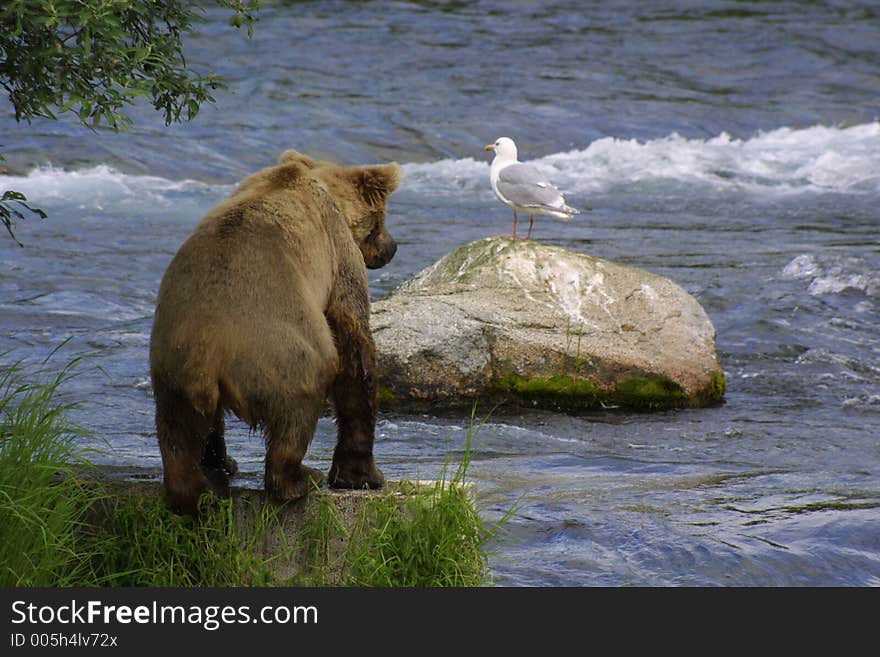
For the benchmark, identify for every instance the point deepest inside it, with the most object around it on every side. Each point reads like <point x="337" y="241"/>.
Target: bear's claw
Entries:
<point x="293" y="488"/>
<point x="356" y="476"/>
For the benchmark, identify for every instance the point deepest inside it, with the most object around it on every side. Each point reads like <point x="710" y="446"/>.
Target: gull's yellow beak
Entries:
<point x="490" y="147"/>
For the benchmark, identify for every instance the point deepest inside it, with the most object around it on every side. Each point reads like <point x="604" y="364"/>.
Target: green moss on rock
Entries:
<point x="717" y="387"/>
<point x="653" y="393"/>
<point x="560" y="392"/>
<point x="570" y="393"/>
<point x="385" y="397"/>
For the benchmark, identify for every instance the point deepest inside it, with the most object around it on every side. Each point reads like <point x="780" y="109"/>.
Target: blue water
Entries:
<point x="733" y="147"/>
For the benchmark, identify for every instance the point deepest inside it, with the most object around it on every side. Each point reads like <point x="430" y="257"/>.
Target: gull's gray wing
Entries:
<point x="525" y="186"/>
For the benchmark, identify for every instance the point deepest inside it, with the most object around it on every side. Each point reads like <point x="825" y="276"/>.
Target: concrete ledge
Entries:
<point x="304" y="539"/>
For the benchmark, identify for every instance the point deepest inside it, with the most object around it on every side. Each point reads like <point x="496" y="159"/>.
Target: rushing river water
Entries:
<point x="733" y="147"/>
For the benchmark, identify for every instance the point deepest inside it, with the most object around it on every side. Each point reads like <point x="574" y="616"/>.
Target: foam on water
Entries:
<point x="445" y="175"/>
<point x="817" y="159"/>
<point x="833" y="275"/>
<point x="101" y="187"/>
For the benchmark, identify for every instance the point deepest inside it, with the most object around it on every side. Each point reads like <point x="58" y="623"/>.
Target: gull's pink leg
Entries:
<point x="515" y="220"/>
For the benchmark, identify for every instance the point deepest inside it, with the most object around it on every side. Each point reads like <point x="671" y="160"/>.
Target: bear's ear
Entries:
<point x="375" y="183"/>
<point x="290" y="156"/>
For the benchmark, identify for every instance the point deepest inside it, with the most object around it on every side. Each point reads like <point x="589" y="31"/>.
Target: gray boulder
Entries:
<point x="523" y="323"/>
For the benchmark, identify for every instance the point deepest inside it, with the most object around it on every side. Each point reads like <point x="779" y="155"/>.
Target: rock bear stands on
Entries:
<point x="264" y="312"/>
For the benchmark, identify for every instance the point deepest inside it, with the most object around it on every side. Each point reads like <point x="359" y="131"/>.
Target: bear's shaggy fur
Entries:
<point x="263" y="312"/>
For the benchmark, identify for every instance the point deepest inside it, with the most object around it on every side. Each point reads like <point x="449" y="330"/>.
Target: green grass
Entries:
<point x="62" y="525"/>
<point x="138" y="542"/>
<point x="430" y="534"/>
<point x="430" y="537"/>
<point x="41" y="503"/>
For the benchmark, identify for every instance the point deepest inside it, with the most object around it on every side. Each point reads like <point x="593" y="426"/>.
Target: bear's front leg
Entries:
<point x="354" y="397"/>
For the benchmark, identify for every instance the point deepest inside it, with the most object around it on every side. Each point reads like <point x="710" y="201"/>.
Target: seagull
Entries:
<point x="522" y="187"/>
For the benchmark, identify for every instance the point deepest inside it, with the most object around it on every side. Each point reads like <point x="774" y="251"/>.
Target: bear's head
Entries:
<point x="361" y="194"/>
<point x="365" y="211"/>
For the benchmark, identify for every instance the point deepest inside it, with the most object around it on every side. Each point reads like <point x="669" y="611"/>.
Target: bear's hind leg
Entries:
<point x="183" y="434"/>
<point x="287" y="440"/>
<point x="218" y="466"/>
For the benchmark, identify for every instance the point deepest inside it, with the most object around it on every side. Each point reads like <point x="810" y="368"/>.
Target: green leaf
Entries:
<point x="9" y="212"/>
<point x="11" y="195"/>
<point x="93" y="57"/>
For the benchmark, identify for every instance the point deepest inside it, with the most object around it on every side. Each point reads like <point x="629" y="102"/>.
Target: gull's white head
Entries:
<point x="504" y="148"/>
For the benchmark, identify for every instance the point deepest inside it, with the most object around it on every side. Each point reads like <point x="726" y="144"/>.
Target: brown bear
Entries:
<point x="264" y="312"/>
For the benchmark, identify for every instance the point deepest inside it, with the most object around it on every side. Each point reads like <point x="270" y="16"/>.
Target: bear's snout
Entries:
<point x="381" y="253"/>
